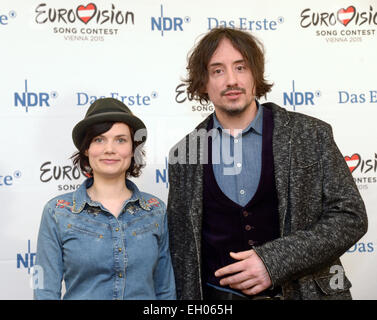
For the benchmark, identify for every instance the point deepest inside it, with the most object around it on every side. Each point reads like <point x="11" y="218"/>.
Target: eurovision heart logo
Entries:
<point x="85" y="14"/>
<point x="353" y="161"/>
<point x="346" y="15"/>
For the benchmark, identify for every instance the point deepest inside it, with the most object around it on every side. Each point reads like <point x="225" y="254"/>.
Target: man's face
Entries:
<point x="230" y="84"/>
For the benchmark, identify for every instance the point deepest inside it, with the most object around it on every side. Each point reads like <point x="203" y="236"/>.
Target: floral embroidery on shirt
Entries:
<point x="63" y="204"/>
<point x="154" y="202"/>
<point x="131" y="209"/>
<point x="144" y="205"/>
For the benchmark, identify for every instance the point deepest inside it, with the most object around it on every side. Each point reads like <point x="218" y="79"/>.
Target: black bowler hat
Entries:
<point x="102" y="110"/>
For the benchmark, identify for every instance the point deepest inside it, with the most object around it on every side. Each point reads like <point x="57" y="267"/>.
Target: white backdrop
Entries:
<point x="56" y="57"/>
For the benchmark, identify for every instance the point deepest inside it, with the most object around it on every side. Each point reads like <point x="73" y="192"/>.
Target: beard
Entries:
<point x="233" y="111"/>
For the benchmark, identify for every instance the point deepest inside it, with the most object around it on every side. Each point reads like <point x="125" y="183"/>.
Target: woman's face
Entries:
<point x="110" y="153"/>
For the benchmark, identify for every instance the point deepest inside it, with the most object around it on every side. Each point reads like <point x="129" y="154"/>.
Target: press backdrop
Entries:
<point x="57" y="57"/>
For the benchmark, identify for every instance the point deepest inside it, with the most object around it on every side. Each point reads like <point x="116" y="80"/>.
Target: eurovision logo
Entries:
<point x="68" y="177"/>
<point x="346" y="15"/>
<point x="182" y="96"/>
<point x="364" y="165"/>
<point x="99" y="23"/>
<point x="353" y="161"/>
<point x="351" y="24"/>
<point x="362" y="169"/>
<point x="85" y="14"/>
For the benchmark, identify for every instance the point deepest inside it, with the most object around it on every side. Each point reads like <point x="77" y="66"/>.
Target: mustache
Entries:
<point x="224" y="92"/>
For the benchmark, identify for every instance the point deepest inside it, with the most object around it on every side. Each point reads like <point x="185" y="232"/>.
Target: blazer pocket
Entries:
<point x="305" y="165"/>
<point x="305" y="175"/>
<point x="329" y="286"/>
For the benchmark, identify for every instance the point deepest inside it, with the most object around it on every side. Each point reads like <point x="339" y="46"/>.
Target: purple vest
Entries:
<point x="228" y="226"/>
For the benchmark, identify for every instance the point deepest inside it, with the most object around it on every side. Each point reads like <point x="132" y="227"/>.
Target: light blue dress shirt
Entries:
<point x="237" y="161"/>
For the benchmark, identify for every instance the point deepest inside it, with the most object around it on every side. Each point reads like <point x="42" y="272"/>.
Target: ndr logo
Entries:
<point x="168" y="24"/>
<point x="4" y="18"/>
<point x="163" y="176"/>
<point x="33" y="99"/>
<point x="26" y="260"/>
<point x="296" y="98"/>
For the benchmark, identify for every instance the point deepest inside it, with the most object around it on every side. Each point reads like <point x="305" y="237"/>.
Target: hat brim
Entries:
<point x="78" y="132"/>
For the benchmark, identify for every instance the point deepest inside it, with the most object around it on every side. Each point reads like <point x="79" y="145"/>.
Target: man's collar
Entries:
<point x="256" y="124"/>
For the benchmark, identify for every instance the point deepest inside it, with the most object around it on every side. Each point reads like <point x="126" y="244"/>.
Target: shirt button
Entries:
<point x="239" y="165"/>
<point x="248" y="227"/>
<point x="235" y="140"/>
<point x="242" y="191"/>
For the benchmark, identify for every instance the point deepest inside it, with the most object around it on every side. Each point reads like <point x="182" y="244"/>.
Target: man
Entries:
<point x="272" y="224"/>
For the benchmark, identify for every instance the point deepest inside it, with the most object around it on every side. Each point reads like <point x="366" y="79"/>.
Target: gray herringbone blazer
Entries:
<point x="321" y="212"/>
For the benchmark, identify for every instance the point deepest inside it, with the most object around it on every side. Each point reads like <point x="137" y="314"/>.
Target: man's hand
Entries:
<point x="248" y="275"/>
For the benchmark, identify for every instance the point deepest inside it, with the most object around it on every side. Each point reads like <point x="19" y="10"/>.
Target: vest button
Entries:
<point x="245" y="213"/>
<point x="248" y="227"/>
<point x="251" y="242"/>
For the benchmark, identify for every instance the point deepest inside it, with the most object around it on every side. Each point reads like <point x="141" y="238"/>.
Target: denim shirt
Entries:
<point x="100" y="256"/>
<point x="241" y="185"/>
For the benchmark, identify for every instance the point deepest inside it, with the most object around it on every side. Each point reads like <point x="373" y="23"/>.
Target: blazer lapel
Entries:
<point x="196" y="172"/>
<point x="281" y="145"/>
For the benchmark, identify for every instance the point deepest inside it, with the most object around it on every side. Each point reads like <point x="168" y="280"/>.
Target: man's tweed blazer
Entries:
<point x="321" y="213"/>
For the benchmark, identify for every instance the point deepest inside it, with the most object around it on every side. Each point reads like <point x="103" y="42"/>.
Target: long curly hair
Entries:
<point x="250" y="47"/>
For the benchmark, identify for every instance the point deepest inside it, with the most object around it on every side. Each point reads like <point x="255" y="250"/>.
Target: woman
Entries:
<point x="106" y="240"/>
